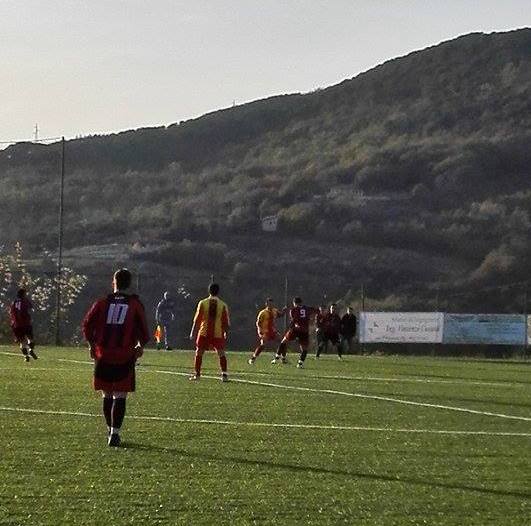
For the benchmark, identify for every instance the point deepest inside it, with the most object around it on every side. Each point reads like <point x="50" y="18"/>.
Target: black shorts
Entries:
<point x="114" y="377"/>
<point x="303" y="337"/>
<point x="22" y="333"/>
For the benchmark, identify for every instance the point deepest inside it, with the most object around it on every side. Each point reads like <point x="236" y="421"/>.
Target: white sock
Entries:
<point x="115" y="430"/>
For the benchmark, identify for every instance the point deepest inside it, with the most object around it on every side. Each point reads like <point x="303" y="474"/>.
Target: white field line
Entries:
<point x="391" y="379"/>
<point x="356" y="395"/>
<point x="31" y="368"/>
<point x="86" y="362"/>
<point x="271" y="424"/>
<point x="344" y="377"/>
<point x="365" y="378"/>
<point x="343" y="393"/>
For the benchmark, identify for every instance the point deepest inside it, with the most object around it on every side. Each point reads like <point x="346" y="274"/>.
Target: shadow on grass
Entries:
<point x="325" y="471"/>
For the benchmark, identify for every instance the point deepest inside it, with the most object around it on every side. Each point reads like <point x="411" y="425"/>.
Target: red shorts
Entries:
<point x="269" y="337"/>
<point x="303" y="337"/>
<point x="203" y="343"/>
<point x="22" y="333"/>
<point x="114" y="377"/>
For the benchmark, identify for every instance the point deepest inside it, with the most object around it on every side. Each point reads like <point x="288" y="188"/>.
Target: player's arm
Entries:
<point x="198" y="318"/>
<point x="89" y="327"/>
<point x="259" y="322"/>
<point x="225" y="320"/>
<point x="172" y="312"/>
<point x="143" y="333"/>
<point x="291" y="319"/>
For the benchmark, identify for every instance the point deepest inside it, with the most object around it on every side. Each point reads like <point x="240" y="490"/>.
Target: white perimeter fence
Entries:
<point x="439" y="327"/>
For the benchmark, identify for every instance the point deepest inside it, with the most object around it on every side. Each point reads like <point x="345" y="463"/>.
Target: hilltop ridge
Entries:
<point x="426" y="155"/>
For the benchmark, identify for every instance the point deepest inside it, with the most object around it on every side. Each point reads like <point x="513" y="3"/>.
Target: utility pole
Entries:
<point x="362" y="310"/>
<point x="36" y="133"/>
<point x="434" y="346"/>
<point x="59" y="275"/>
<point x="286" y="302"/>
<point x="526" y="320"/>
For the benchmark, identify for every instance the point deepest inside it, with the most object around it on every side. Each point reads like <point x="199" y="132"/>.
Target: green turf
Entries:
<point x="57" y="469"/>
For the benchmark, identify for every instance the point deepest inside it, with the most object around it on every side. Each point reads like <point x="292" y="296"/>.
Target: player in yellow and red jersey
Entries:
<point x="209" y="330"/>
<point x="299" y="329"/>
<point x="265" y="327"/>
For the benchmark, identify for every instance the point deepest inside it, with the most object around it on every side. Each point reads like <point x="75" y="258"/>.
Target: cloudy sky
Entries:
<point x="80" y="67"/>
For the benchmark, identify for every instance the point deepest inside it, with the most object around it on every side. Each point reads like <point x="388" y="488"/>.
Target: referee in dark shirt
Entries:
<point x="348" y="329"/>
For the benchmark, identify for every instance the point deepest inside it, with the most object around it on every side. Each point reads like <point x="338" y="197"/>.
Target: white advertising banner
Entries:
<point x="401" y="327"/>
<point x="494" y="329"/>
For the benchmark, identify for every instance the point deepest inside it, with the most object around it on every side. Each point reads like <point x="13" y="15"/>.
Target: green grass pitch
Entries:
<point x="363" y="441"/>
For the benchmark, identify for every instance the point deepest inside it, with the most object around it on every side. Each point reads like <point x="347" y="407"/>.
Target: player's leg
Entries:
<point x="258" y="350"/>
<point x="342" y="343"/>
<point x="302" y="355"/>
<point x="198" y="362"/>
<point x="320" y="343"/>
<point x="167" y="337"/>
<point x="107" y="409"/>
<point x="223" y="364"/>
<point x="339" y="347"/>
<point x="21" y="340"/>
<point x="24" y="350"/>
<point x="117" y="417"/>
<point x="31" y="343"/>
<point x="282" y="350"/>
<point x="304" y="341"/>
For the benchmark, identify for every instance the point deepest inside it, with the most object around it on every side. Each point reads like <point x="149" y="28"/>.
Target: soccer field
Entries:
<point x="368" y="440"/>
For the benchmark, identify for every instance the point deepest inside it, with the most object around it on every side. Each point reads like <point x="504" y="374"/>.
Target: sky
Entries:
<point x="82" y="67"/>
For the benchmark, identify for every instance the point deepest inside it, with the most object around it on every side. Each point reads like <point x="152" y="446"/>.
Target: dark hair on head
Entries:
<point x="21" y="293"/>
<point x="122" y="279"/>
<point x="268" y="300"/>
<point x="213" y="289"/>
<point x="297" y="300"/>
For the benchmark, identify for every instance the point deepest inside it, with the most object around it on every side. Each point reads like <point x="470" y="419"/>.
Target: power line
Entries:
<point x="46" y="139"/>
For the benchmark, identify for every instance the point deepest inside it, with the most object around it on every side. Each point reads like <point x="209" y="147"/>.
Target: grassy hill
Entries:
<point x="411" y="178"/>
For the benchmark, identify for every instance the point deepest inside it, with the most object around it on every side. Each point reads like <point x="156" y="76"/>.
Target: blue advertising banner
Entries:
<point x="493" y="329"/>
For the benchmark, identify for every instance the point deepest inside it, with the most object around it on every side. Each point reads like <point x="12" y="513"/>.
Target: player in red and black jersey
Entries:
<point x="329" y="331"/>
<point x="299" y="329"/>
<point x="20" y="314"/>
<point x="116" y="331"/>
<point x="319" y="327"/>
